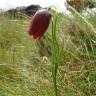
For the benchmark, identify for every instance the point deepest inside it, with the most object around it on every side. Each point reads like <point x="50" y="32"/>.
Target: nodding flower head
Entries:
<point x="39" y="23"/>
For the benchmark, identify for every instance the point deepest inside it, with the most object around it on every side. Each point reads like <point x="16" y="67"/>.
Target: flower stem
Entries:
<point x="54" y="55"/>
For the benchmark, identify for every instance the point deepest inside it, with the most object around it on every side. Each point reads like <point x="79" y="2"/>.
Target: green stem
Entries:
<point x="54" y="55"/>
<point x="54" y="73"/>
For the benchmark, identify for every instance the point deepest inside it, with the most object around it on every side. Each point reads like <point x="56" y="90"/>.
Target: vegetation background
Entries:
<point x="24" y="72"/>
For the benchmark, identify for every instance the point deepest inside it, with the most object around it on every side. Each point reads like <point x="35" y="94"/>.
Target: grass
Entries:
<point x="24" y="72"/>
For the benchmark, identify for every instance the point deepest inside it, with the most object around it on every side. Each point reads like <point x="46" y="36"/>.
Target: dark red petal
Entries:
<point x="33" y="25"/>
<point x="39" y="23"/>
<point x="43" y="25"/>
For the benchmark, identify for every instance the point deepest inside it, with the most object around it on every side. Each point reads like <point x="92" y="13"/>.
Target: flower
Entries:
<point x="72" y="29"/>
<point x="39" y="23"/>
